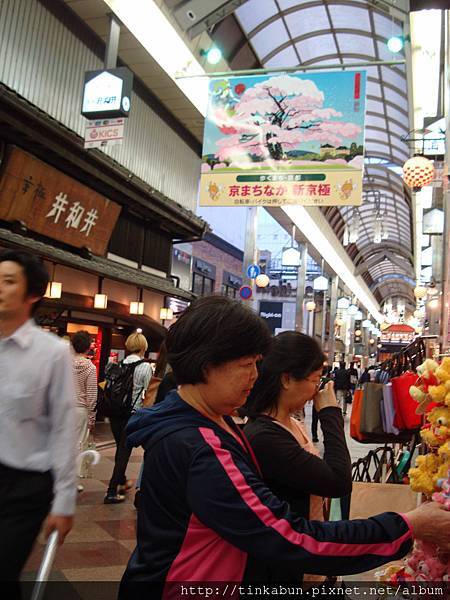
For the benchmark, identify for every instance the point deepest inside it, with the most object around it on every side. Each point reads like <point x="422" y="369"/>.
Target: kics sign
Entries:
<point x="103" y="132"/>
<point x="107" y="93"/>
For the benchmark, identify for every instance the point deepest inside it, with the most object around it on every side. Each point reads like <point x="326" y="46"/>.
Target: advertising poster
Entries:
<point x="274" y="140"/>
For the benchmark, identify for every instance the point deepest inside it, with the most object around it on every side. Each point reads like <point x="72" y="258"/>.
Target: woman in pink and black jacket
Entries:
<point x="206" y="515"/>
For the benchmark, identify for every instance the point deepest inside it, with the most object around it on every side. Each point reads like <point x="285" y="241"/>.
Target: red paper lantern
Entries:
<point x="417" y="172"/>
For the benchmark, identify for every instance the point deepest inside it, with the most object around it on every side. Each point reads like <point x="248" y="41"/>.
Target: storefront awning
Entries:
<point x="95" y="265"/>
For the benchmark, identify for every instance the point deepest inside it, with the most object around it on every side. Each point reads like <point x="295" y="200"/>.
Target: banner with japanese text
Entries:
<point x="274" y="140"/>
<point x="55" y="205"/>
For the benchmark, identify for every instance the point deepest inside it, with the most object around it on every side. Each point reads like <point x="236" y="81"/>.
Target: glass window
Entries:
<point x="201" y="285"/>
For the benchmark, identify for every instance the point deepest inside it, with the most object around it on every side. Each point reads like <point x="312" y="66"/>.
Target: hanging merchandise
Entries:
<point x="384" y="411"/>
<point x="431" y="474"/>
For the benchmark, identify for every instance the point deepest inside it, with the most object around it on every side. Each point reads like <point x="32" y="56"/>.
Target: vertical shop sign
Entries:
<point x="285" y="139"/>
<point x="55" y="205"/>
<point x="272" y="313"/>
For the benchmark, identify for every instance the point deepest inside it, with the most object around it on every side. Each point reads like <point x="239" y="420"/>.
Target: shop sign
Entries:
<point x="279" y="288"/>
<point x="275" y="140"/>
<point x="181" y="267"/>
<point x="272" y="313"/>
<point x="107" y="93"/>
<point x="55" y="205"/>
<point x="101" y="133"/>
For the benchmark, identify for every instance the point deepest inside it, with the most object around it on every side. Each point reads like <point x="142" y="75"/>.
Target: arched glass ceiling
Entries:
<point x="287" y="33"/>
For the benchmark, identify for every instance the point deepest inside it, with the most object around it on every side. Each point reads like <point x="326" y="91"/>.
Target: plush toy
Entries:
<point x="427" y="365"/>
<point x="427" y="380"/>
<point x="443" y="371"/>
<point x="422" y="476"/>
<point x="443" y="497"/>
<point x="438" y="393"/>
<point x="437" y="432"/>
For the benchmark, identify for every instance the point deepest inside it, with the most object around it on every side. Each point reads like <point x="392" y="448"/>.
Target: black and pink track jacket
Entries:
<point x="207" y="516"/>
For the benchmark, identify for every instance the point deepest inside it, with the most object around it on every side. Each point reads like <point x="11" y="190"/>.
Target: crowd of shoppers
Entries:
<point x="216" y="503"/>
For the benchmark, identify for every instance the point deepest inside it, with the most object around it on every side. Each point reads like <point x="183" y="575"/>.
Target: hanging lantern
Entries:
<point x="343" y="303"/>
<point x="358" y="333"/>
<point x="371" y="341"/>
<point x="352" y="310"/>
<point x="420" y="292"/>
<point x="320" y="284"/>
<point x="417" y="172"/>
<point x="262" y="281"/>
<point x="345" y="240"/>
<point x="311" y="306"/>
<point x="378" y="230"/>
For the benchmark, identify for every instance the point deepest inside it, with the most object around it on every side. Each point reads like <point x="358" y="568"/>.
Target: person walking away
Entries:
<point x="342" y="386"/>
<point x="86" y="391"/>
<point x="134" y="363"/>
<point x="37" y="419"/>
<point x="354" y="376"/>
<point x="325" y="378"/>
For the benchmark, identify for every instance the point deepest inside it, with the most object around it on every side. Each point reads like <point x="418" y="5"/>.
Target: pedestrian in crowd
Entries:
<point x="365" y="376"/>
<point x="326" y="377"/>
<point x="86" y="391"/>
<point x="354" y="376"/>
<point x="136" y="344"/>
<point x="289" y="377"/>
<point x="342" y="386"/>
<point x="206" y="514"/>
<point x="37" y="418"/>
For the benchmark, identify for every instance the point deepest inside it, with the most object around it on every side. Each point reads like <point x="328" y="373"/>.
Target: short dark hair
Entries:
<point x="81" y="341"/>
<point x="290" y="352"/>
<point x="212" y="331"/>
<point x="34" y="269"/>
<point x="36" y="275"/>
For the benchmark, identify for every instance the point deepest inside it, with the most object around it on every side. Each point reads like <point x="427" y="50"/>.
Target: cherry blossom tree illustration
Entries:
<point x="274" y="117"/>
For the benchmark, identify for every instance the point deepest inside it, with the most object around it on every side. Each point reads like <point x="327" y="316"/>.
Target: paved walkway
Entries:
<point x="101" y="542"/>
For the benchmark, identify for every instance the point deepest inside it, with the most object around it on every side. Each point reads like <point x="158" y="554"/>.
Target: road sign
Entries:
<point x="253" y="271"/>
<point x="245" y="292"/>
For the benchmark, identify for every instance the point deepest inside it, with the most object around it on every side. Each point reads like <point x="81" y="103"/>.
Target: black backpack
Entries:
<point x="118" y="392"/>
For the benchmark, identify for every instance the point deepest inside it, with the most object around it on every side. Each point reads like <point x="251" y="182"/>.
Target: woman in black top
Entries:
<point x="289" y="377"/>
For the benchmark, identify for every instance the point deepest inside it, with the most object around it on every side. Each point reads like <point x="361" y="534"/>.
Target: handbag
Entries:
<point x="405" y="406"/>
<point x="151" y="391"/>
<point x="388" y="410"/>
<point x="371" y="421"/>
<point x="355" y="417"/>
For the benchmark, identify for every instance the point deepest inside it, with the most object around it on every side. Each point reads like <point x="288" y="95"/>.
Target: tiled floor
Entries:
<point x="101" y="542"/>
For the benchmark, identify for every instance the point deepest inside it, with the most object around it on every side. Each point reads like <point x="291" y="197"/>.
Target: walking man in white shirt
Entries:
<point x="37" y="420"/>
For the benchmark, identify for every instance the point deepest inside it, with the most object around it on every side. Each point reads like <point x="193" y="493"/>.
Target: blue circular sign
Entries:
<point x="245" y="292"/>
<point x="253" y="271"/>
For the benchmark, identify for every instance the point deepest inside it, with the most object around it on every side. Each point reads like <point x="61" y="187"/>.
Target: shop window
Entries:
<point x="228" y="290"/>
<point x="201" y="285"/>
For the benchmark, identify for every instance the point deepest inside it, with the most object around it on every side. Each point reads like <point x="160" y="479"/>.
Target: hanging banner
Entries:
<point x="293" y="138"/>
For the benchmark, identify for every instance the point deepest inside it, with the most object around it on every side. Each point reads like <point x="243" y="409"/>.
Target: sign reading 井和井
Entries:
<point x="55" y="205"/>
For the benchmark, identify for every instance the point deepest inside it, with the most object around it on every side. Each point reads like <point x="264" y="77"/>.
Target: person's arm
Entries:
<point x="62" y="443"/>
<point x="228" y="497"/>
<point x="91" y="394"/>
<point x="283" y="460"/>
